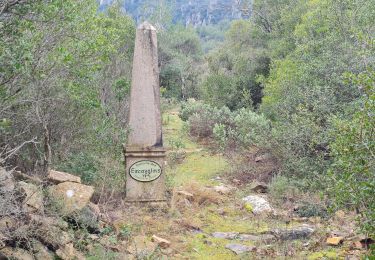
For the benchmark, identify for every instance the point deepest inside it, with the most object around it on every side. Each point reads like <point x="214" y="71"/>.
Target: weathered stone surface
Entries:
<point x="186" y="194"/>
<point x="334" y="241"/>
<point x="264" y="237"/>
<point x="41" y="252"/>
<point x="163" y="243"/>
<point x="145" y="116"/>
<point x="7" y="183"/>
<point x="15" y="253"/>
<point x="225" y="235"/>
<point x="240" y="249"/>
<point x="72" y="196"/>
<point x="258" y="204"/>
<point x="259" y="187"/>
<point x="68" y="252"/>
<point x="49" y="221"/>
<point x="54" y="236"/>
<point x="59" y="177"/>
<point x="145" y="138"/>
<point x="301" y="232"/>
<point x="34" y="196"/>
<point x="224" y="189"/>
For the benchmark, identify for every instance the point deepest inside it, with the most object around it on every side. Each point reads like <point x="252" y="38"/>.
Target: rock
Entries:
<point x="186" y="194"/>
<point x="223" y="189"/>
<point x="49" y="221"/>
<point x="7" y="223"/>
<point x="7" y="183"/>
<point x="163" y="243"/>
<point x="263" y="157"/>
<point x="59" y="177"/>
<point x="72" y="196"/>
<point x="34" y="196"/>
<point x="258" y="204"/>
<point x="240" y="249"/>
<point x="259" y="187"/>
<point x="334" y="241"/>
<point x="225" y="235"/>
<point x="264" y="238"/>
<point x="50" y="232"/>
<point x="68" y="252"/>
<point x="15" y="253"/>
<point x="41" y="252"/>
<point x="301" y="232"/>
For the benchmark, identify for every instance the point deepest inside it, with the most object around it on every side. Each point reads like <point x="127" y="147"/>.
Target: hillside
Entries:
<point x="191" y="12"/>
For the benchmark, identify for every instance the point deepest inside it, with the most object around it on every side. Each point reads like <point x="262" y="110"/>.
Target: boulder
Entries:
<point x="68" y="252"/>
<point x="51" y="232"/>
<point x="49" y="221"/>
<point x="334" y="241"/>
<point x="60" y="177"/>
<point x="239" y="248"/>
<point x="225" y="235"/>
<point x="264" y="237"/>
<point x="34" y="196"/>
<point x="163" y="243"/>
<point x="71" y="196"/>
<point x="15" y="253"/>
<point x="7" y="183"/>
<point x="258" y="204"/>
<point x="301" y="232"/>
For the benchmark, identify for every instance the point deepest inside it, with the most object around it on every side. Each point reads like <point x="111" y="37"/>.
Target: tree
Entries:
<point x="52" y="59"/>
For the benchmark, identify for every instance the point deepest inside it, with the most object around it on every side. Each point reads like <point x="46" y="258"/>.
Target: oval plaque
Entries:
<point x="145" y="171"/>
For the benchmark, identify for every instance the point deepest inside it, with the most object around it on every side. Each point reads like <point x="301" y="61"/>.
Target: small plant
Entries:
<point x="126" y="231"/>
<point x="312" y="210"/>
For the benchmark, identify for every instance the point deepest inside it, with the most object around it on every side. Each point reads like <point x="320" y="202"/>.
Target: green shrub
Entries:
<point x="353" y="149"/>
<point x="191" y="107"/>
<point x="202" y="122"/>
<point x="83" y="165"/>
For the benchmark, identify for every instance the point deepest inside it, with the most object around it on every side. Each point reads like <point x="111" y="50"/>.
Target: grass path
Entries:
<point x="195" y="172"/>
<point x="199" y="164"/>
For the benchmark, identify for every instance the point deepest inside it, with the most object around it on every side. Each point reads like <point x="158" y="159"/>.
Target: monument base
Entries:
<point x="145" y="176"/>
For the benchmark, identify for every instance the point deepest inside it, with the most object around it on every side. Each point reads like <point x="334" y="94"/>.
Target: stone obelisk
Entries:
<point x="144" y="152"/>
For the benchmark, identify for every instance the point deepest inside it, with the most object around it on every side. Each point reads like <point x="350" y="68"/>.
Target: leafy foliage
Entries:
<point x="353" y="170"/>
<point x="63" y="81"/>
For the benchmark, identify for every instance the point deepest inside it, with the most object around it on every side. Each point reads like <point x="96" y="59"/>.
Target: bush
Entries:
<point x="190" y="108"/>
<point x="353" y="149"/>
<point x="202" y="118"/>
